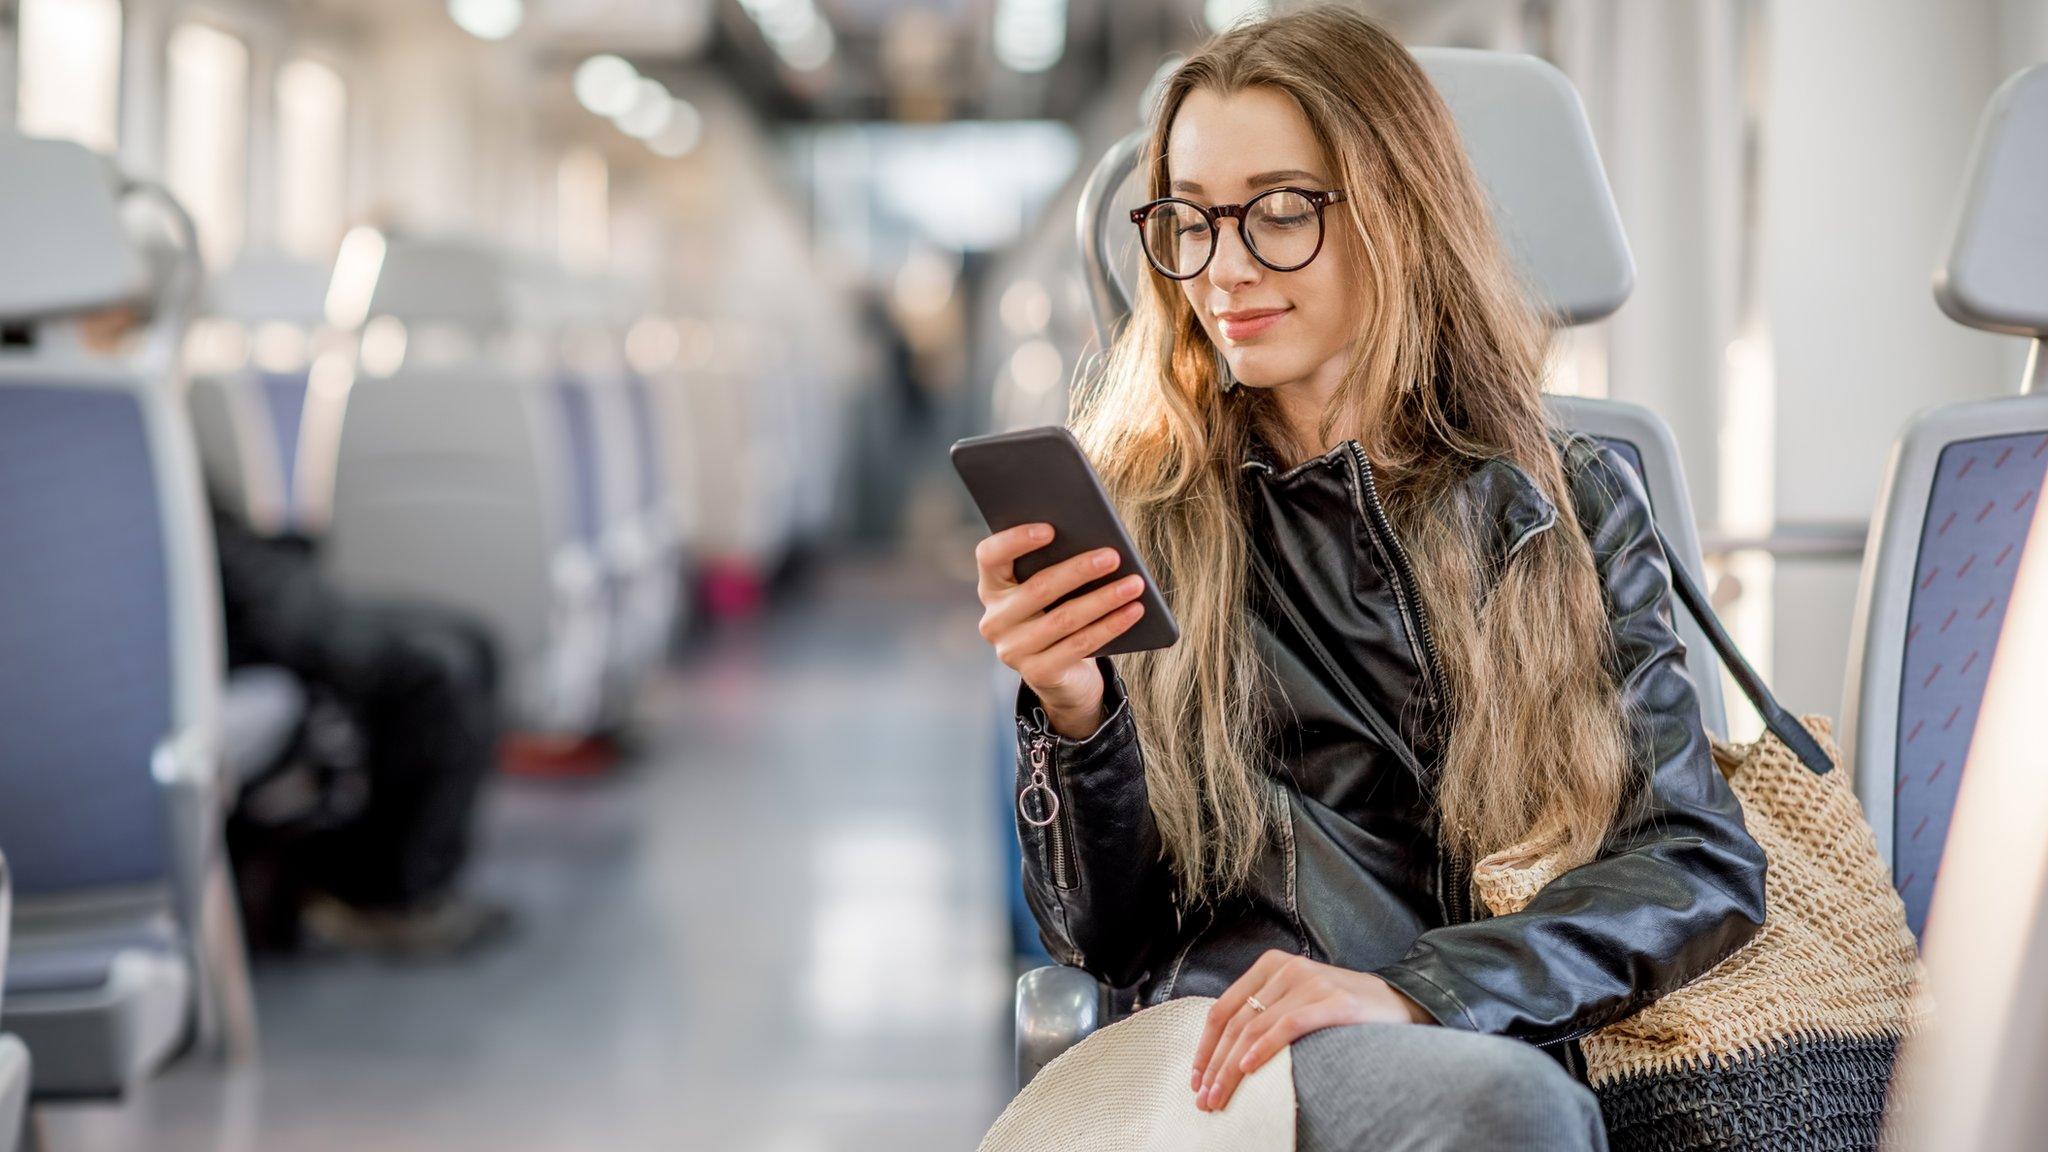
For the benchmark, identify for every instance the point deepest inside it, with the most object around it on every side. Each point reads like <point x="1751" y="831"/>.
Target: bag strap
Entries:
<point x="1785" y="726"/>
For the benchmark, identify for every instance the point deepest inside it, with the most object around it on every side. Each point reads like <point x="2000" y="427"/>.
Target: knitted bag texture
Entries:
<point x="1789" y="1043"/>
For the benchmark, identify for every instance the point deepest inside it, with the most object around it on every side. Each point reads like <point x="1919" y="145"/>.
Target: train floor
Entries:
<point x="778" y="928"/>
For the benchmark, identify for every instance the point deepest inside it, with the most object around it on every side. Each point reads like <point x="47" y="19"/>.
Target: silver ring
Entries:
<point x="1254" y="1002"/>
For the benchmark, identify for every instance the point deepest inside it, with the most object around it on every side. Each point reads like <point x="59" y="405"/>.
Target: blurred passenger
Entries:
<point x="1420" y="626"/>
<point x="417" y="683"/>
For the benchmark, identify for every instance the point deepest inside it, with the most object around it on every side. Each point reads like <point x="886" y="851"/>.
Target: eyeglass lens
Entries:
<point x="1282" y="228"/>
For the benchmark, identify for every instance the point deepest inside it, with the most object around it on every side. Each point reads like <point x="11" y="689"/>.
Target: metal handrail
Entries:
<point x="174" y="303"/>
<point x="1792" y="540"/>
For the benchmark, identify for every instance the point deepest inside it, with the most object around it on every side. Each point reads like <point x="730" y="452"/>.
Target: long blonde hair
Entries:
<point x="1447" y="374"/>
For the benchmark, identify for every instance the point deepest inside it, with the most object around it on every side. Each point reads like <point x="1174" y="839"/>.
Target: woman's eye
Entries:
<point x="1197" y="230"/>
<point x="1285" y="222"/>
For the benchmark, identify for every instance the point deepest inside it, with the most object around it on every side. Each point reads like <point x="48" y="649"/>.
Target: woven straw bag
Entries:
<point x="1125" y="1089"/>
<point x="1788" y="1043"/>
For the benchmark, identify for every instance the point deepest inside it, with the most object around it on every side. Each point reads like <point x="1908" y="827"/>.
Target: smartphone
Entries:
<point x="1039" y="475"/>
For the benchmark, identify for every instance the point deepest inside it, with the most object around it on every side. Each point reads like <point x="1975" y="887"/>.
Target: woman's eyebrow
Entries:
<point x="1281" y="176"/>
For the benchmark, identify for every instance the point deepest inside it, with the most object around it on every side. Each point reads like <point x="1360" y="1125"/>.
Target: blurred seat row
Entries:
<point x="435" y="421"/>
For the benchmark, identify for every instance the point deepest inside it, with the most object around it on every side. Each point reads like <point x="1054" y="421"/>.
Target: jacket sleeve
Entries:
<point x="1095" y="876"/>
<point x="1680" y="883"/>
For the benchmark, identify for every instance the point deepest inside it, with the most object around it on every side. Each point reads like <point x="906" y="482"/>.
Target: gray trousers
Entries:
<point x="1418" y="1088"/>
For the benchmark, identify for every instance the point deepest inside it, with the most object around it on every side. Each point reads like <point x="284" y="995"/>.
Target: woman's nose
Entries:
<point x="1233" y="266"/>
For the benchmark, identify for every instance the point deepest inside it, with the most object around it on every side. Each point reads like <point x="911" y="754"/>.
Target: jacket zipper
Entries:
<point x="1456" y="897"/>
<point x="1045" y="813"/>
<point x="1407" y="590"/>
<point x="1460" y="896"/>
<point x="1381" y="726"/>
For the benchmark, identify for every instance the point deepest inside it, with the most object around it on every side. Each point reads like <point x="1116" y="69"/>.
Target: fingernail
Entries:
<point x="1041" y="532"/>
<point x="1105" y="560"/>
<point x="1131" y="583"/>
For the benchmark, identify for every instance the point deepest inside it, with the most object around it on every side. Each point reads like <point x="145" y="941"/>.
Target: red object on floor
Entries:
<point x="554" y="757"/>
<point x="731" y="588"/>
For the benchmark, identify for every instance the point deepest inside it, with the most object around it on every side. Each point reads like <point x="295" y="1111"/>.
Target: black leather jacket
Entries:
<point x="1355" y="876"/>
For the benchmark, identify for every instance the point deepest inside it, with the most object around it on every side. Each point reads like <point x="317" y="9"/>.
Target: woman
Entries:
<point x="1419" y="625"/>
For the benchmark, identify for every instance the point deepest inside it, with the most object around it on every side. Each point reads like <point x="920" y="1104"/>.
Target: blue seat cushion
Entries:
<point x="85" y="651"/>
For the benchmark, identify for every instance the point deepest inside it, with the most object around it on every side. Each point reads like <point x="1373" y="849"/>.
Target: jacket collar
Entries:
<point x="1513" y="506"/>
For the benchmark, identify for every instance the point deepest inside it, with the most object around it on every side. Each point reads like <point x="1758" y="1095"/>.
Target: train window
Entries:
<point x="312" y="158"/>
<point x="206" y="117"/>
<point x="70" y="59"/>
<point x="583" y="210"/>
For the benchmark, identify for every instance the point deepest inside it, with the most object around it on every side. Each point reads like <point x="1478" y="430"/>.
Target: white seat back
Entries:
<point x="457" y="481"/>
<point x="1954" y="516"/>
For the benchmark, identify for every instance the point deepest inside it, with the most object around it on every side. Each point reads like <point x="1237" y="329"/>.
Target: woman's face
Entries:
<point x="1275" y="328"/>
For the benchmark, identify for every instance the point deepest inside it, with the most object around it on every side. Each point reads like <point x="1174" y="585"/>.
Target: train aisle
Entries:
<point x="779" y="930"/>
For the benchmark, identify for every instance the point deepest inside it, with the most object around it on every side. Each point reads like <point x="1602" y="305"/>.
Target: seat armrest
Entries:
<point x="1057" y="1007"/>
<point x="188" y="767"/>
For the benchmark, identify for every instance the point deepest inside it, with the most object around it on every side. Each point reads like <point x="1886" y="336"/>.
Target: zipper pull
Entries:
<point x="1039" y="813"/>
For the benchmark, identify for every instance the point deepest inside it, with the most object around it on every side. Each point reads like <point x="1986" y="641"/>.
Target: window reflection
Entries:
<point x="206" y="116"/>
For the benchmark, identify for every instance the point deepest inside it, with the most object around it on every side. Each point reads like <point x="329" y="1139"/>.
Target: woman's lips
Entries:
<point x="1245" y="325"/>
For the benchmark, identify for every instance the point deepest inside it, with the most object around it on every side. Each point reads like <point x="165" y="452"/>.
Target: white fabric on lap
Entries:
<point x="1125" y="1089"/>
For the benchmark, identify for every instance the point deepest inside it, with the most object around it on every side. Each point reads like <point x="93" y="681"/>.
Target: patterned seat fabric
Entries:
<point x="85" y="653"/>
<point x="1978" y="514"/>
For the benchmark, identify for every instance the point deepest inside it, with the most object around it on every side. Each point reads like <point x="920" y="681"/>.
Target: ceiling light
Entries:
<point x="1030" y="35"/>
<point x="685" y="128"/>
<point x="650" y="112"/>
<point x="606" y="84"/>
<point x="487" y="19"/>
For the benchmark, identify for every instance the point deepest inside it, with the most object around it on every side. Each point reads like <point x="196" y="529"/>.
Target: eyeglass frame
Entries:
<point x="1318" y="198"/>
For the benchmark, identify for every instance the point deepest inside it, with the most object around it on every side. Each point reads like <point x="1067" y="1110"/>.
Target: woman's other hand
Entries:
<point x="1051" y="650"/>
<point x="1300" y="997"/>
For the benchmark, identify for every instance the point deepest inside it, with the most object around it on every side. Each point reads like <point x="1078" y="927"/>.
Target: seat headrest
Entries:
<point x="1532" y="146"/>
<point x="1996" y="275"/>
<point x="66" y="249"/>
<point x="443" y="280"/>
<point x="256" y="289"/>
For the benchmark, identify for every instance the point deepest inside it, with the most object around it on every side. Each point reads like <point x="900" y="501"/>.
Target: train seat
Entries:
<point x="125" y="941"/>
<point x="250" y="362"/>
<point x="662" y="605"/>
<point x="631" y="524"/>
<point x="454" y="481"/>
<point x="1953" y="514"/>
<point x="1533" y="148"/>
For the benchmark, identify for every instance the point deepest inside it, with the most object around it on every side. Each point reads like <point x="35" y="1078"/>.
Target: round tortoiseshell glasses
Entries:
<point x="1282" y="228"/>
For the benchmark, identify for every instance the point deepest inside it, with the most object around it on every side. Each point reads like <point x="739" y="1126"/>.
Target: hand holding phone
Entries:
<point x="1059" y="578"/>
